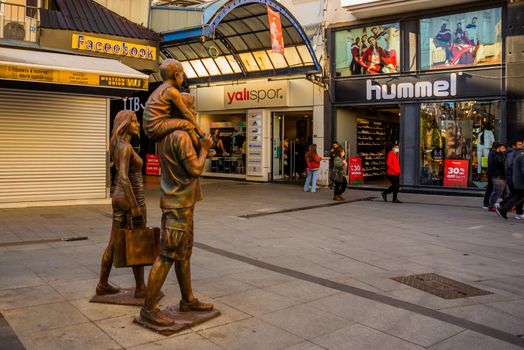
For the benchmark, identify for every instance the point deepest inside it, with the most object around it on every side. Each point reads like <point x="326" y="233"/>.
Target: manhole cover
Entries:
<point x="440" y="286"/>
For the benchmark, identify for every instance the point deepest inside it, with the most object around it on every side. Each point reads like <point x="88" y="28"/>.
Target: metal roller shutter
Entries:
<point x="52" y="146"/>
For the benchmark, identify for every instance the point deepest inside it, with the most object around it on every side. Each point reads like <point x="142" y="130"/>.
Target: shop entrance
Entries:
<point x="370" y="133"/>
<point x="292" y="134"/>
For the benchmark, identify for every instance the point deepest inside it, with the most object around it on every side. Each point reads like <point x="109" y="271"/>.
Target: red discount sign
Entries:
<point x="456" y="173"/>
<point x="356" y="176"/>
<point x="152" y="164"/>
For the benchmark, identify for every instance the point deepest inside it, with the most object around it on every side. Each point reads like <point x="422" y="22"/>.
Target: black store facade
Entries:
<point x="444" y="85"/>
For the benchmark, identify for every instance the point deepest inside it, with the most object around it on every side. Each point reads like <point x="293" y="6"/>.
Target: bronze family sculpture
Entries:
<point x="182" y="159"/>
<point x="129" y="208"/>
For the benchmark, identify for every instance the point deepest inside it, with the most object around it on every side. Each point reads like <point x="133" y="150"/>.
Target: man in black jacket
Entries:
<point x="517" y="146"/>
<point x="517" y="196"/>
<point x="496" y="167"/>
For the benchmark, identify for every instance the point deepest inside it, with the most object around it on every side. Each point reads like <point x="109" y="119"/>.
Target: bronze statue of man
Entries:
<point x="181" y="167"/>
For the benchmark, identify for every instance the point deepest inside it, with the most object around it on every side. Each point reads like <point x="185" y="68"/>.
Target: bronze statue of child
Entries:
<point x="167" y="109"/>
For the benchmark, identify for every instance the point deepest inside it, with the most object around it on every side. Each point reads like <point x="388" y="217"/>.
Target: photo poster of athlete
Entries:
<point x="471" y="38"/>
<point x="275" y="29"/>
<point x="368" y="50"/>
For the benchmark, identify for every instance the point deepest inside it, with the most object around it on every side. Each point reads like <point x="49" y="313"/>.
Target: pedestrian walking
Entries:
<point x="393" y="174"/>
<point x="313" y="165"/>
<point x="496" y="167"/>
<point x="518" y="183"/>
<point x="332" y="155"/>
<point x="489" y="187"/>
<point x="340" y="182"/>
<point x="517" y="146"/>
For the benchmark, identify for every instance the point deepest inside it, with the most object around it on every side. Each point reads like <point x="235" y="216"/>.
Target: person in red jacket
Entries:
<point x="313" y="164"/>
<point x="393" y="173"/>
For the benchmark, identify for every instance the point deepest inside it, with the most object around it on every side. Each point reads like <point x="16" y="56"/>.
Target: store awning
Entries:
<point x="63" y="69"/>
<point x="230" y="39"/>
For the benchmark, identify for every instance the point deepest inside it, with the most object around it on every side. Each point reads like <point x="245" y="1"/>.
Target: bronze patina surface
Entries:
<point x="129" y="208"/>
<point x="182" y="166"/>
<point x="184" y="320"/>
<point x="125" y="296"/>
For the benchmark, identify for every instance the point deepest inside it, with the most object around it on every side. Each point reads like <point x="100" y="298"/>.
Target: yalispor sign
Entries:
<point x="253" y="95"/>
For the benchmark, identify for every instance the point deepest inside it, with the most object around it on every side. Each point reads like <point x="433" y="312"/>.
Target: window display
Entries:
<point x="472" y="38"/>
<point x="368" y="50"/>
<point x="456" y="131"/>
<point x="229" y="141"/>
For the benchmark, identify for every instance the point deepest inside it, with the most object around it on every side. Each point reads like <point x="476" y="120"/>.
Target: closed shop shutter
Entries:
<point x="52" y="146"/>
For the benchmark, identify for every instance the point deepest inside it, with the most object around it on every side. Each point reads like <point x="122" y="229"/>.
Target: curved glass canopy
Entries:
<point x="230" y="39"/>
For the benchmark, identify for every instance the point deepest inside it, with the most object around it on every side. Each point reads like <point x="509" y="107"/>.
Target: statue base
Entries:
<point x="183" y="320"/>
<point x="123" y="297"/>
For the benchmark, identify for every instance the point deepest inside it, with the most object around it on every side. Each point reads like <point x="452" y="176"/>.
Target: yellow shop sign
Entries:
<point x="59" y="76"/>
<point x="113" y="47"/>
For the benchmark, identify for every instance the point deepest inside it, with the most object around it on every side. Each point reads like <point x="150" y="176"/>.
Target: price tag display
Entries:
<point x="456" y="173"/>
<point x="152" y="164"/>
<point x="356" y="177"/>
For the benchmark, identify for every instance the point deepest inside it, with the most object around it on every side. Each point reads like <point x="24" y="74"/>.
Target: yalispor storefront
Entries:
<point x="253" y="123"/>
<point x="436" y="84"/>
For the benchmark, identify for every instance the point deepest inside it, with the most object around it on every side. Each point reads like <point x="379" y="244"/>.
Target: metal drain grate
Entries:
<point x="440" y="286"/>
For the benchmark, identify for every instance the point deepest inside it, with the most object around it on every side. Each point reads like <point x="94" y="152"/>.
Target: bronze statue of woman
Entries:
<point x="128" y="201"/>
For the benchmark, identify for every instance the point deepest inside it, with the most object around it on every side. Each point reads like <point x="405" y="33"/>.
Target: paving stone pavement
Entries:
<point x="297" y="280"/>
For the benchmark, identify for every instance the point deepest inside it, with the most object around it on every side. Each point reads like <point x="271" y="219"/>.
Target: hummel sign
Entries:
<point x="437" y="88"/>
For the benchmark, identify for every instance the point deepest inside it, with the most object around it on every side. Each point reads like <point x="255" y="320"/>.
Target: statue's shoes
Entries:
<point x="140" y="293"/>
<point x="102" y="289"/>
<point x="156" y="317"/>
<point x="196" y="305"/>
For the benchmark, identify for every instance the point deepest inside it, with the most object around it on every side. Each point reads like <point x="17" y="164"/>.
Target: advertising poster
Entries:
<point x="368" y="50"/>
<point x="356" y="177"/>
<point x="470" y="38"/>
<point x="152" y="164"/>
<point x="456" y="173"/>
<point x="275" y="29"/>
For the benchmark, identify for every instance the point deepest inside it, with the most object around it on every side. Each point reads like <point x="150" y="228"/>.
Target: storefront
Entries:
<point x="250" y="84"/>
<point x="55" y="99"/>
<point x="434" y="83"/>
<point x="259" y="126"/>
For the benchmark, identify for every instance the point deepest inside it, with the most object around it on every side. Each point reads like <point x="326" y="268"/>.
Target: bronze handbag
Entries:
<point x="136" y="247"/>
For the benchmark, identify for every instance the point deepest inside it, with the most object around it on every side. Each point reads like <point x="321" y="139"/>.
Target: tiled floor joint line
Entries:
<point x="250" y="216"/>
<point x="473" y="326"/>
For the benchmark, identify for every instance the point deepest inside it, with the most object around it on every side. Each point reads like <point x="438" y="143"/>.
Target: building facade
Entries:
<point x="443" y="83"/>
<point x="61" y="64"/>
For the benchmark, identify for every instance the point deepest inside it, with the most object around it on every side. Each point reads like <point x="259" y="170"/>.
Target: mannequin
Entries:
<point x="484" y="143"/>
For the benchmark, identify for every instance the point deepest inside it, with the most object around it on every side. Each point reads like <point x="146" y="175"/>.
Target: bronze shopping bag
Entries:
<point x="136" y="247"/>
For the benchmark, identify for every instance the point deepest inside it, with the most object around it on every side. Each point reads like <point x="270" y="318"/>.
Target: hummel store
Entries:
<point x="434" y="84"/>
<point x="255" y="126"/>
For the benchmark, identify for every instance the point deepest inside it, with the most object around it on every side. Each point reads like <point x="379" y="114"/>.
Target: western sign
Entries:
<point x="252" y="95"/>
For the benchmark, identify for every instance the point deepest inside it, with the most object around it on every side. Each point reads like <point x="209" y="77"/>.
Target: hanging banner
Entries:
<point x="356" y="177"/>
<point x="456" y="173"/>
<point x="152" y="164"/>
<point x="275" y="29"/>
